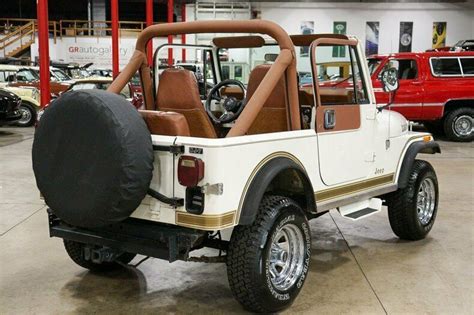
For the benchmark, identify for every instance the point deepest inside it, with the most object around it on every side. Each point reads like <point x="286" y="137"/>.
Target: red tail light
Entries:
<point x="190" y="170"/>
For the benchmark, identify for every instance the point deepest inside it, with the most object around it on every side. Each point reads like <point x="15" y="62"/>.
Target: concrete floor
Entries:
<point x="357" y="267"/>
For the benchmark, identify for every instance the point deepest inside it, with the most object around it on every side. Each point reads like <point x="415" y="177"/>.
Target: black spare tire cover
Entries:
<point x="92" y="158"/>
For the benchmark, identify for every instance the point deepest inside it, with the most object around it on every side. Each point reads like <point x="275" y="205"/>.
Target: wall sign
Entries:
<point x="405" y="37"/>
<point x="339" y="28"/>
<point x="439" y="34"/>
<point x="306" y="27"/>
<point x="372" y="38"/>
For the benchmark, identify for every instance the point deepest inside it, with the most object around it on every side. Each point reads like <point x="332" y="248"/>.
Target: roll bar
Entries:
<point x="285" y="64"/>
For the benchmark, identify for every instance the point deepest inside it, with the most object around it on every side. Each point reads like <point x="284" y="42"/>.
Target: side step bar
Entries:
<point x="361" y="209"/>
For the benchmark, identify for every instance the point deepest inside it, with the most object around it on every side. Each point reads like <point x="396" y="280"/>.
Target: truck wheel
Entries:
<point x="458" y="124"/>
<point x="412" y="210"/>
<point x="435" y="127"/>
<point x="75" y="250"/>
<point x="267" y="261"/>
<point x="28" y="115"/>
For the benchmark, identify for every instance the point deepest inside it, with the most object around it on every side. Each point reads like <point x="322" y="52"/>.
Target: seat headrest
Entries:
<point x="177" y="88"/>
<point x="278" y="97"/>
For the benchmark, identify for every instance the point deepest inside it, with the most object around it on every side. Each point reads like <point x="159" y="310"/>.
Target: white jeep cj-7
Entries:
<point x="235" y="156"/>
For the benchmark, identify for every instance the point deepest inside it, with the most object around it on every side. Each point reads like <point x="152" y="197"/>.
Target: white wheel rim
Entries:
<point x="462" y="125"/>
<point x="25" y="116"/>
<point x="426" y="201"/>
<point x="286" y="259"/>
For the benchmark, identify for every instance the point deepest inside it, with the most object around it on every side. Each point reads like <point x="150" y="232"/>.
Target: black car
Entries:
<point x="9" y="107"/>
<point x="464" y="45"/>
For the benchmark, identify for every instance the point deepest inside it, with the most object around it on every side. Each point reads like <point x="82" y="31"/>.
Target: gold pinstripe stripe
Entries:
<point x="205" y="222"/>
<point x="348" y="189"/>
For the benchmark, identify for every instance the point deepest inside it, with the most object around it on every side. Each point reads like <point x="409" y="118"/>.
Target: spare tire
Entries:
<point x="92" y="158"/>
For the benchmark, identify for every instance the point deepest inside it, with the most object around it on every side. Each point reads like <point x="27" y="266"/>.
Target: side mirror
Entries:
<point x="389" y="80"/>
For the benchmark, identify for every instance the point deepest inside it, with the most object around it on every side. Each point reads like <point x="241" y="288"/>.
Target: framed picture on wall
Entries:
<point x="439" y="34"/>
<point x="339" y="28"/>
<point x="405" y="37"/>
<point x="372" y="38"/>
<point x="306" y="27"/>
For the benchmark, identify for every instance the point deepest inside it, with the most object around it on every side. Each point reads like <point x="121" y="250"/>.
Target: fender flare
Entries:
<point x="31" y="101"/>
<point x="263" y="178"/>
<point x="431" y="147"/>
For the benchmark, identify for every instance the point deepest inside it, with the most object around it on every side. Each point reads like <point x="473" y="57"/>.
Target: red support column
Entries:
<point x="170" y="37"/>
<point x="183" y="36"/>
<point x="149" y="21"/>
<point x="43" y="51"/>
<point x="115" y="35"/>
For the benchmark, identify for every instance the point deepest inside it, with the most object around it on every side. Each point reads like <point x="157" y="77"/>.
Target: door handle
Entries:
<point x="329" y="119"/>
<point x="416" y="83"/>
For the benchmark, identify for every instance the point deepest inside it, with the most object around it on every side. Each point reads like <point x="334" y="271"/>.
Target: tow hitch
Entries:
<point x="101" y="255"/>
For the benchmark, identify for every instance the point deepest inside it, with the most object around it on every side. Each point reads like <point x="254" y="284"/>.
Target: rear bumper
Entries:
<point x="133" y="236"/>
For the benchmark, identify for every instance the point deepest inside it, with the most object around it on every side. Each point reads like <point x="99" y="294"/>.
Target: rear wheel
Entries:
<point x="458" y="124"/>
<point x="28" y="115"/>
<point x="268" y="261"/>
<point x="412" y="210"/>
<point x="76" y="252"/>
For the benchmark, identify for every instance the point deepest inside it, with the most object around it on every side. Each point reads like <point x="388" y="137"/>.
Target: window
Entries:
<point x="340" y="79"/>
<point x="3" y="76"/>
<point x="7" y="76"/>
<point x="225" y="72"/>
<point x="407" y="68"/>
<point x="25" y="75"/>
<point x="83" y="86"/>
<point x="61" y="75"/>
<point x="467" y="66"/>
<point x="360" y="90"/>
<point x="238" y="73"/>
<point x="373" y="65"/>
<point x="445" y="67"/>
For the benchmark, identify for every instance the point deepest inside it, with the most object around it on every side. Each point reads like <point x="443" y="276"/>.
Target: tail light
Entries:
<point x="190" y="170"/>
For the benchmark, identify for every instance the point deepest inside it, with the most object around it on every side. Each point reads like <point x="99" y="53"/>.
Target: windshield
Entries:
<point x="60" y="75"/>
<point x="27" y="75"/>
<point x="373" y="65"/>
<point x="237" y="63"/>
<point x="90" y="85"/>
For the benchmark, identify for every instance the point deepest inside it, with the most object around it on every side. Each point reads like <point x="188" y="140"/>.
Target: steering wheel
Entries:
<point x="232" y="106"/>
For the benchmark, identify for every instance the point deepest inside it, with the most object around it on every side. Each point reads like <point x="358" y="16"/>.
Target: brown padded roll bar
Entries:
<point x="285" y="62"/>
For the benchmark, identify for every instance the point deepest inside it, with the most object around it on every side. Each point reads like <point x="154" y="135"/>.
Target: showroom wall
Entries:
<point x="459" y="18"/>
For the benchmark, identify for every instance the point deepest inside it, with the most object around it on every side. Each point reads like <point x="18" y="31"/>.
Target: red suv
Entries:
<point x="436" y="88"/>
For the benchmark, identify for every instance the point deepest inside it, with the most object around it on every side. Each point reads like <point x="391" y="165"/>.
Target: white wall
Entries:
<point x="460" y="20"/>
<point x="97" y="50"/>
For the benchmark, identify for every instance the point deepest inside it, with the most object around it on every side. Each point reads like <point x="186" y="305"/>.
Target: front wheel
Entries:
<point x="28" y="115"/>
<point x="458" y="124"/>
<point x="412" y="210"/>
<point x="268" y="261"/>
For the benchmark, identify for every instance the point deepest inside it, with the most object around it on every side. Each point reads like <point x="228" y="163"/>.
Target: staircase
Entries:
<point x="14" y="43"/>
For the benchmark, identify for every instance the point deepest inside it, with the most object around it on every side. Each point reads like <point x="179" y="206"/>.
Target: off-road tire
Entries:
<point x="75" y="251"/>
<point x="435" y="127"/>
<point x="449" y="124"/>
<point x="248" y="256"/>
<point x="402" y="204"/>
<point x="31" y="115"/>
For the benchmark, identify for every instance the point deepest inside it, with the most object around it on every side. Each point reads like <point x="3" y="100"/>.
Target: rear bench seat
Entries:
<point x="165" y="123"/>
